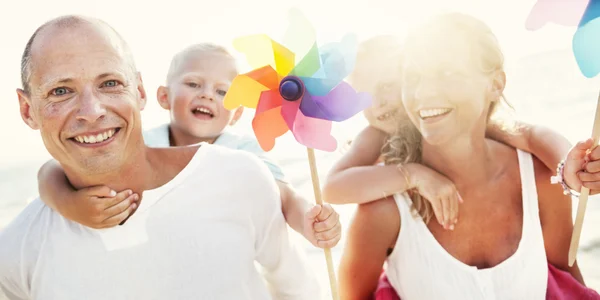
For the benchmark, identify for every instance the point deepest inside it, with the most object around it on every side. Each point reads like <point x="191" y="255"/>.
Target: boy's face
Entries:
<point x="195" y="95"/>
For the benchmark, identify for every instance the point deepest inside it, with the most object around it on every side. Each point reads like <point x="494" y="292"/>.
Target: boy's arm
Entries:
<point x="319" y="224"/>
<point x="95" y="207"/>
<point x="287" y="272"/>
<point x="293" y="206"/>
<point x="301" y="215"/>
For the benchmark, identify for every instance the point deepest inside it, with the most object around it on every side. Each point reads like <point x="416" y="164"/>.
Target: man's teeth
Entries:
<point x="92" y="139"/>
<point x="428" y="113"/>
<point x="203" y="110"/>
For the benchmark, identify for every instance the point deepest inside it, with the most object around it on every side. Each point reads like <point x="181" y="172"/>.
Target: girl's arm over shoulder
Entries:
<point x="372" y="233"/>
<point x="546" y="144"/>
<point x="556" y="219"/>
<point x="355" y="179"/>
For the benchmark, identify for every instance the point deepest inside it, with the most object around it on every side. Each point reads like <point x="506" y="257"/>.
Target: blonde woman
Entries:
<point x="512" y="220"/>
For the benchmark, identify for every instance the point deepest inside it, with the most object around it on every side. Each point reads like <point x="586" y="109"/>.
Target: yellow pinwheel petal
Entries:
<point x="244" y="91"/>
<point x="260" y="51"/>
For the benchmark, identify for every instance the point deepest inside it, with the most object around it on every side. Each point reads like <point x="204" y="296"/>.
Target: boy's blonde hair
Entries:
<point x="206" y="48"/>
<point x="405" y="145"/>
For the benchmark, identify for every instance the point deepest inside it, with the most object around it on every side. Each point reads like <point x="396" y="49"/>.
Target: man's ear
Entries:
<point x="26" y="109"/>
<point x="162" y="95"/>
<point x="142" y="91"/>
<point x="237" y="114"/>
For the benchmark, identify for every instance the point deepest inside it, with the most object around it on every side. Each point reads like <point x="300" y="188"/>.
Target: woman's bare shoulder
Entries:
<point x="380" y="217"/>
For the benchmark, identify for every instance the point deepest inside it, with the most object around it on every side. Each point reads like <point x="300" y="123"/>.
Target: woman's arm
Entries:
<point x="557" y="221"/>
<point x="372" y="232"/>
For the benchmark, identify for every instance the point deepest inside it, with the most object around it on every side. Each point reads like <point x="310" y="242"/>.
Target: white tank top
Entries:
<point x="419" y="268"/>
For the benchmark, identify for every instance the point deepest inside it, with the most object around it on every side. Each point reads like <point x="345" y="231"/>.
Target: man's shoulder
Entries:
<point x="34" y="213"/>
<point x="230" y="157"/>
<point x="27" y="228"/>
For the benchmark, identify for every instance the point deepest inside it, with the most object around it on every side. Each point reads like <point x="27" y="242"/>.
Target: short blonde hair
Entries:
<point x="205" y="48"/>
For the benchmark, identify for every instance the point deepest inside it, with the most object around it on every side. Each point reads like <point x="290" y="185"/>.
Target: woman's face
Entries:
<point x="444" y="92"/>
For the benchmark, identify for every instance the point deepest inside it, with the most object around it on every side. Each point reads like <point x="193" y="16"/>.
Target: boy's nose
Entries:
<point x="207" y="93"/>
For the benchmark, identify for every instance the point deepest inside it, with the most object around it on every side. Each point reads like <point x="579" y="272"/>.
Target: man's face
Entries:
<point x="85" y="98"/>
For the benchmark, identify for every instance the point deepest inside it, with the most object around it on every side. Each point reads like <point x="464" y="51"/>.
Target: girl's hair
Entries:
<point x="405" y="145"/>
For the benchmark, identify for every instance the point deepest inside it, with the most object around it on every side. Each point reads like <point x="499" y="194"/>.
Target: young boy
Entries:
<point x="197" y="81"/>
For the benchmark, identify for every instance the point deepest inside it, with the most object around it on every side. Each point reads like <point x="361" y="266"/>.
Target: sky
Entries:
<point x="157" y="30"/>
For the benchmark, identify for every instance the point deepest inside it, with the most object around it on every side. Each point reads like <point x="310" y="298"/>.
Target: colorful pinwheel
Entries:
<point x="297" y="87"/>
<point x="586" y="48"/>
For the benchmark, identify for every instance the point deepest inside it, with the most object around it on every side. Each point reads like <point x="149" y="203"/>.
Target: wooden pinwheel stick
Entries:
<point x="317" y="189"/>
<point x="583" y="197"/>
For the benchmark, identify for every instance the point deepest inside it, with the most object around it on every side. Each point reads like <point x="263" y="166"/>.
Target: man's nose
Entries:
<point x="91" y="109"/>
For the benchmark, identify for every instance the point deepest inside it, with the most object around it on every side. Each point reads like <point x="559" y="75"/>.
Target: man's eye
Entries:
<point x="193" y="84"/>
<point x="59" y="91"/>
<point x="111" y="83"/>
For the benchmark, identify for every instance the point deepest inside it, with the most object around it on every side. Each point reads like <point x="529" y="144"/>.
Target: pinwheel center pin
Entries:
<point x="291" y="88"/>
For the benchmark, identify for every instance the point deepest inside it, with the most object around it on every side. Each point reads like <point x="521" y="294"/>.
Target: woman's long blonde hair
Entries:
<point x="405" y="145"/>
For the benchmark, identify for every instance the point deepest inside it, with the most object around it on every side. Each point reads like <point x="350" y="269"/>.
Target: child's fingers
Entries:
<point x="437" y="210"/>
<point x="101" y="191"/>
<point x="326" y="212"/>
<point x="592" y="166"/>
<point x="594" y="154"/>
<point x="454" y="208"/>
<point x="592" y="185"/>
<point x="327" y="224"/>
<point x="312" y="214"/>
<point x="120" y="197"/>
<point x="588" y="177"/>
<point x="329" y="234"/>
<point x="580" y="149"/>
<point x="119" y="218"/>
<point x="329" y="243"/>
<point x="446" y="208"/>
<point x="460" y="199"/>
<point x="121" y="206"/>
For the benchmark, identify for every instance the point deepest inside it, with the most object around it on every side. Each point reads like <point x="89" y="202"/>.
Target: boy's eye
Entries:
<point x="193" y="84"/>
<point x="222" y="92"/>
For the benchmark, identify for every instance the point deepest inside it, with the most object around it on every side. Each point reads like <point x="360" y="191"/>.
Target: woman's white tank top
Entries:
<point x="419" y="268"/>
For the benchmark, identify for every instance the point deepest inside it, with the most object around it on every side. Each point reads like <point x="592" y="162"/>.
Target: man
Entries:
<point x="206" y="213"/>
